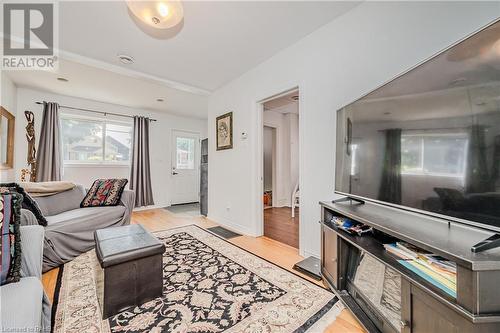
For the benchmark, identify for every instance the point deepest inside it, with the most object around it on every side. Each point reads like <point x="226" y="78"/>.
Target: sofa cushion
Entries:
<point x="22" y="305"/>
<point x="10" y="220"/>
<point x="61" y="202"/>
<point x="82" y="215"/>
<point x="104" y="192"/>
<point x="28" y="218"/>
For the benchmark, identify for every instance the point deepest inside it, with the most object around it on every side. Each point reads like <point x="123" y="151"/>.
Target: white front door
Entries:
<point x="185" y="170"/>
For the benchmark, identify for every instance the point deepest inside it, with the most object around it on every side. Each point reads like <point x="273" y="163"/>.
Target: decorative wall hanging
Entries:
<point x="30" y="136"/>
<point x="25" y="173"/>
<point x="224" y="131"/>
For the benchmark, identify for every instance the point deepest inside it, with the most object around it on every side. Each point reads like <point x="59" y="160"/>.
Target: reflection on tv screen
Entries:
<point x="430" y="139"/>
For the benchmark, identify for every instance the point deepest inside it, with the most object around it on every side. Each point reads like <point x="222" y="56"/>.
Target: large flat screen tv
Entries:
<point x="429" y="140"/>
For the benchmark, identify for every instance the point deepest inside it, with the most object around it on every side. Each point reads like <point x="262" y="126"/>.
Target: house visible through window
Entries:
<point x="185" y="153"/>
<point x="434" y="154"/>
<point x="95" y="141"/>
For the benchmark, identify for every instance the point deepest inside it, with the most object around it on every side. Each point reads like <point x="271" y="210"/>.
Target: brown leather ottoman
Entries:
<point x="131" y="262"/>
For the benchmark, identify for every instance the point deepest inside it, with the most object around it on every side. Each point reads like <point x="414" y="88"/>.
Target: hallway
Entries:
<point x="280" y="226"/>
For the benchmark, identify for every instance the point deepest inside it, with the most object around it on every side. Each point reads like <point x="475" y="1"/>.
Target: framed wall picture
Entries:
<point x="7" y="125"/>
<point x="224" y="131"/>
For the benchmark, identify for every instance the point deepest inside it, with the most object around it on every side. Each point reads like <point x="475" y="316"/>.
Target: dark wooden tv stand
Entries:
<point x="424" y="307"/>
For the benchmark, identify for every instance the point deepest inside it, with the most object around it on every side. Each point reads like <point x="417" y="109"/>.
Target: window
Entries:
<point x="434" y="154"/>
<point x="185" y="153"/>
<point x="354" y="162"/>
<point x="95" y="141"/>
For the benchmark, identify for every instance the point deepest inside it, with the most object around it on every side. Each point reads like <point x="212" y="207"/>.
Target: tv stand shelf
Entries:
<point x="476" y="307"/>
<point x="374" y="247"/>
<point x="451" y="240"/>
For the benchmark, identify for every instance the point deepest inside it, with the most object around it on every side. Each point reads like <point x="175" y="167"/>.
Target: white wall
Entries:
<point x="276" y="120"/>
<point x="160" y="140"/>
<point x="293" y="125"/>
<point x="332" y="66"/>
<point x="268" y="157"/>
<point x="8" y="91"/>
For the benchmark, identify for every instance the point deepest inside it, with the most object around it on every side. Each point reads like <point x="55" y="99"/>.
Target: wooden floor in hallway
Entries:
<point x="276" y="252"/>
<point x="281" y="226"/>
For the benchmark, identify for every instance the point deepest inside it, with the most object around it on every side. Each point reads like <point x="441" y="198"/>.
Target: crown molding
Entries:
<point x="62" y="54"/>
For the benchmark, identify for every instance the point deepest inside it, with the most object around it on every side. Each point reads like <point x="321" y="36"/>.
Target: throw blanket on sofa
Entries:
<point x="70" y="229"/>
<point x="44" y="189"/>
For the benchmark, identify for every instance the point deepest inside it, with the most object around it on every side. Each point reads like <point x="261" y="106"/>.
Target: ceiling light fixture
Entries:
<point x="157" y="14"/>
<point x="62" y="79"/>
<point x="125" y="59"/>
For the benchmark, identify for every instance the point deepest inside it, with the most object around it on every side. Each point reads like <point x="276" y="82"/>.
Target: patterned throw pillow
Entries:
<point x="104" y="192"/>
<point x="28" y="202"/>
<point x="10" y="218"/>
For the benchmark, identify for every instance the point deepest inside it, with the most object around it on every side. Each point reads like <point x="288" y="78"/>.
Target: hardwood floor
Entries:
<point x="279" y="225"/>
<point x="276" y="252"/>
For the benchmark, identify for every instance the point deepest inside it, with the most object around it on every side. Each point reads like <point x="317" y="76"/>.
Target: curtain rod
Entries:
<point x="95" y="111"/>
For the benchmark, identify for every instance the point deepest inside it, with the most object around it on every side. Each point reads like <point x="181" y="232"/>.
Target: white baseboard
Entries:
<point x="239" y="228"/>
<point x="310" y="254"/>
<point x="138" y="209"/>
<point x="282" y="203"/>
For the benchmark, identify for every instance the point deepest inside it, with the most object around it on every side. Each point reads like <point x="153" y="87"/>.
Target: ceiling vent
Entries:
<point x="458" y="82"/>
<point x="125" y="59"/>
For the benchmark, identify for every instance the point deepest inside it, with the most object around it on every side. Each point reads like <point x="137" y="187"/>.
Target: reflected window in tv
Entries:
<point x="434" y="154"/>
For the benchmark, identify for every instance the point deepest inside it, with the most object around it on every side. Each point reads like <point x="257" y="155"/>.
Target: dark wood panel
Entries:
<point x="329" y="263"/>
<point x="429" y="315"/>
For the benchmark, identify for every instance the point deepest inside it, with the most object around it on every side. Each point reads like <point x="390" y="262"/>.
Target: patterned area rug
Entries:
<point x="210" y="285"/>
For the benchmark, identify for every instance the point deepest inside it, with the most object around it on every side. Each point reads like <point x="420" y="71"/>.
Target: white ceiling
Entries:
<point x="106" y="86"/>
<point x="219" y="40"/>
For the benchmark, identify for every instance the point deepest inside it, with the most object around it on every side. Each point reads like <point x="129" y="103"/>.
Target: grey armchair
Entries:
<point x="25" y="307"/>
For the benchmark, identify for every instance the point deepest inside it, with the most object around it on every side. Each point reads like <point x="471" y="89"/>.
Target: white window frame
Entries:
<point x="422" y="172"/>
<point x="103" y="121"/>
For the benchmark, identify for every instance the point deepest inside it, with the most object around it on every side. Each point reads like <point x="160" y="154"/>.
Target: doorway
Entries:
<point x="185" y="167"/>
<point x="280" y="159"/>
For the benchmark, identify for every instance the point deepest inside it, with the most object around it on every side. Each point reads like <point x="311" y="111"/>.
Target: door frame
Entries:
<point x="197" y="160"/>
<point x="260" y="163"/>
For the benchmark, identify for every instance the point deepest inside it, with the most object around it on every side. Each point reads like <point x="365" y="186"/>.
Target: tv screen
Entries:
<point x="430" y="139"/>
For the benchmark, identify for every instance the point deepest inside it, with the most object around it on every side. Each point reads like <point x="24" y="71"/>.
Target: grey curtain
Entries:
<point x="390" y="187"/>
<point x="140" y="175"/>
<point x="477" y="175"/>
<point x="49" y="159"/>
